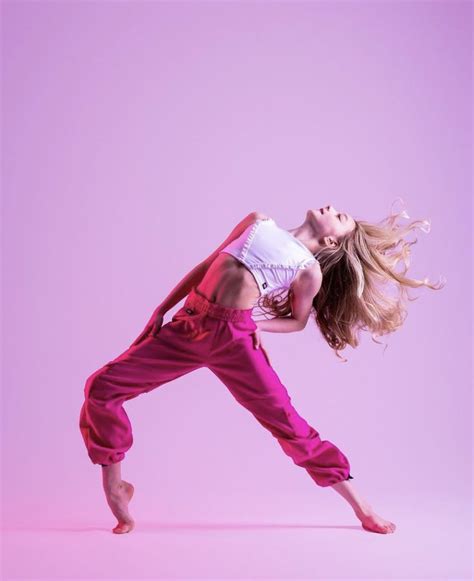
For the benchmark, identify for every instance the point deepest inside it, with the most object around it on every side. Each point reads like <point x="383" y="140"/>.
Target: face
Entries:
<point x="330" y="224"/>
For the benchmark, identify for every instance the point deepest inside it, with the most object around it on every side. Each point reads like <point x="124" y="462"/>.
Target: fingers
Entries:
<point x="258" y="345"/>
<point x="256" y="339"/>
<point x="156" y="327"/>
<point x="150" y="329"/>
<point x="157" y="324"/>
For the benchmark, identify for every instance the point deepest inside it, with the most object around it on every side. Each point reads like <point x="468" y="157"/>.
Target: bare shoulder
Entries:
<point x="252" y="217"/>
<point x="238" y="229"/>
<point x="260" y="216"/>
<point x="309" y="279"/>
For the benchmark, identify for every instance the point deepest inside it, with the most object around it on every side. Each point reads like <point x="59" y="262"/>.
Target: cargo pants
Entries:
<point x="203" y="334"/>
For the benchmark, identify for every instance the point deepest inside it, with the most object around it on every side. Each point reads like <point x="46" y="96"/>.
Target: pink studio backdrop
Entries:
<point x="135" y="136"/>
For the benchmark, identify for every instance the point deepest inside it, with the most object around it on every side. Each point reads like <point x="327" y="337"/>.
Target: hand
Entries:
<point x="152" y="327"/>
<point x="257" y="343"/>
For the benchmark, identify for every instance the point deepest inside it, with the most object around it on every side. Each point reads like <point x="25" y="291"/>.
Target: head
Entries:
<point x="357" y="260"/>
<point x="329" y="227"/>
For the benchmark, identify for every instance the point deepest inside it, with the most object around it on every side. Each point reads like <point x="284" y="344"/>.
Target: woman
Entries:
<point x="331" y="264"/>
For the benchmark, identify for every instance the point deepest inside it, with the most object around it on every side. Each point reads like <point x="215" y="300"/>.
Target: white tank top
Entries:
<point x="273" y="255"/>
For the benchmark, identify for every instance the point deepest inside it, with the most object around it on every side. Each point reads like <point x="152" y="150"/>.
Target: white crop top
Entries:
<point x="273" y="255"/>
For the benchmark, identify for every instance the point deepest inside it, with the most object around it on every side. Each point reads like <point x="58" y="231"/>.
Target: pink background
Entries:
<point x="135" y="136"/>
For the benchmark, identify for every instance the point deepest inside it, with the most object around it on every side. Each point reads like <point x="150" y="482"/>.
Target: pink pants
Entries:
<point x="203" y="334"/>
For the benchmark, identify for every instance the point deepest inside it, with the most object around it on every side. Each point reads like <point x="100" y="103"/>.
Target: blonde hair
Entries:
<point x="353" y="297"/>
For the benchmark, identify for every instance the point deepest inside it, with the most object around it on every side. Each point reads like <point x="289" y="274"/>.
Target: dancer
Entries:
<point x="329" y="266"/>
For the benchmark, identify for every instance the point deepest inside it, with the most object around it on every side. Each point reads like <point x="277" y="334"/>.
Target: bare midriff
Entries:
<point x="228" y="282"/>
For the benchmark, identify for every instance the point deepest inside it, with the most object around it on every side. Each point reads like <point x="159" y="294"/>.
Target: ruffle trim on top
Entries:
<point x="248" y="242"/>
<point x="300" y="266"/>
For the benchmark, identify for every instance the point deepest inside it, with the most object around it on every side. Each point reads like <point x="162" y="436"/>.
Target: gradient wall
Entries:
<point x="135" y="136"/>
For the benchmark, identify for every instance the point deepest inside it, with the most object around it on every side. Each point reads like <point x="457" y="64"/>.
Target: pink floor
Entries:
<point x="313" y="537"/>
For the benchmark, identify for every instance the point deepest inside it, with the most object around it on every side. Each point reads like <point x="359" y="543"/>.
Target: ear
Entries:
<point x="330" y="242"/>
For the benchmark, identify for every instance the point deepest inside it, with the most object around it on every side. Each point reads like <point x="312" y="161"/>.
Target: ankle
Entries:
<point x="363" y="509"/>
<point x="113" y="486"/>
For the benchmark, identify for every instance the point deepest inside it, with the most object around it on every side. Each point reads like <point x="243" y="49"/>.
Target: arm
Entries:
<point x="279" y="325"/>
<point x="194" y="277"/>
<point x="303" y="290"/>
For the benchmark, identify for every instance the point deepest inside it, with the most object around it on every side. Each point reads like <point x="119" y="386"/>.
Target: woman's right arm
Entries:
<point x="194" y="277"/>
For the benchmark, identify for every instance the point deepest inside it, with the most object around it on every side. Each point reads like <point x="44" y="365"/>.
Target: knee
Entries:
<point x="96" y="386"/>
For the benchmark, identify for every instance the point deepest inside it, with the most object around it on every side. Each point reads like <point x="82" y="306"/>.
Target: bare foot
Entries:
<point x="118" y="498"/>
<point x="372" y="522"/>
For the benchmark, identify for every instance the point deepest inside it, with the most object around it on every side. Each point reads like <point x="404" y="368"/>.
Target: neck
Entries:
<point x="305" y="234"/>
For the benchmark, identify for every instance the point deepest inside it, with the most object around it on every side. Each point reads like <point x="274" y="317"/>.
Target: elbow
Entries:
<point x="299" y="325"/>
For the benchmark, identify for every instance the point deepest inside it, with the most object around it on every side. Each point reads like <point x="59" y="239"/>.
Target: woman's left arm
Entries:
<point x="303" y="290"/>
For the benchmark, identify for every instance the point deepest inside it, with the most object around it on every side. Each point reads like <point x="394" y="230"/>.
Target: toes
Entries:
<point x="122" y="528"/>
<point x="382" y="528"/>
<point x="379" y="528"/>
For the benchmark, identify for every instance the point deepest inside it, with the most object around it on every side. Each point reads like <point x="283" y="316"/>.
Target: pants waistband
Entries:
<point x="198" y="302"/>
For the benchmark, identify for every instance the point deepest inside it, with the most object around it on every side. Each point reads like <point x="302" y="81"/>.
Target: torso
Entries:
<point x="231" y="283"/>
<point x="228" y="282"/>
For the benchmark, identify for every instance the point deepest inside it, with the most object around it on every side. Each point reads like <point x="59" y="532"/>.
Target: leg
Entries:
<point x="103" y="422"/>
<point x="370" y="520"/>
<point x="254" y="384"/>
<point x="118" y="493"/>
